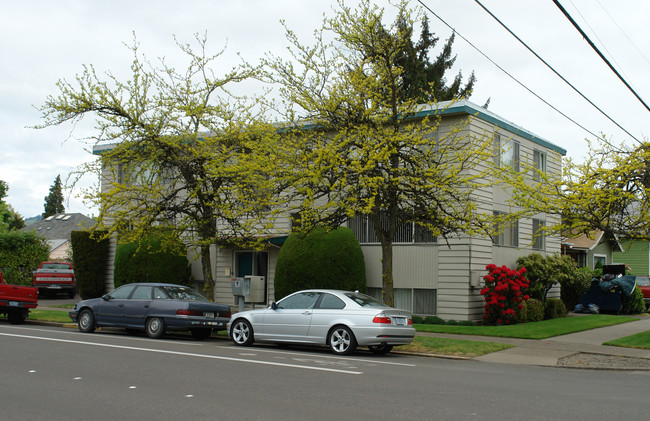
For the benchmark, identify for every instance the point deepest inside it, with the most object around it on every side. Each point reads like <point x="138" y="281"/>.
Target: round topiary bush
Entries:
<point x="534" y="310"/>
<point x="148" y="260"/>
<point x="554" y="308"/>
<point x="320" y="259"/>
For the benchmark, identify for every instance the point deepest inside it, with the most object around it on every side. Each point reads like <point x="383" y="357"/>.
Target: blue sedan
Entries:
<point x="154" y="308"/>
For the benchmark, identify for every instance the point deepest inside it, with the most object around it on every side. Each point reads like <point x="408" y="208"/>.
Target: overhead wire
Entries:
<point x="623" y="32"/>
<point x="555" y="71"/>
<point x="508" y="74"/>
<point x="575" y="25"/>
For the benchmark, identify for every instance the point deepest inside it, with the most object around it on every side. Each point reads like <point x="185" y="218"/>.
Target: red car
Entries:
<point x="643" y="282"/>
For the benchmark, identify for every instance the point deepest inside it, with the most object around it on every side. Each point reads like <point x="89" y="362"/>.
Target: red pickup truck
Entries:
<point x="16" y="300"/>
<point x="55" y="277"/>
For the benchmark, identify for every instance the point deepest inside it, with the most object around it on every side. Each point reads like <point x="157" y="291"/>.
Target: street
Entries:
<point x="51" y="373"/>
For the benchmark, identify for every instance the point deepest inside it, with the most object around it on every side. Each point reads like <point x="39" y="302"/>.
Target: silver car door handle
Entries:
<point x="307" y="313"/>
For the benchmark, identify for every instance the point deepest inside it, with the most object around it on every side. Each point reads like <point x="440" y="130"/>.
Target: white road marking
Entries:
<point x="186" y="354"/>
<point x="302" y="354"/>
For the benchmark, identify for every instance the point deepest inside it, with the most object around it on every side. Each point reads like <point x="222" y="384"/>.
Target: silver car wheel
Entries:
<point x="242" y="332"/>
<point x="155" y="327"/>
<point x="342" y="341"/>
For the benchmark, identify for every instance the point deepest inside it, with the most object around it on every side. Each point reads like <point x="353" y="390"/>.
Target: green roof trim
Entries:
<point x="469" y="108"/>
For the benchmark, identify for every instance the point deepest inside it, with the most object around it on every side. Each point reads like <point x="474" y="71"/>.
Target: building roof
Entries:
<point x="446" y="108"/>
<point x="588" y="242"/>
<point x="59" y="226"/>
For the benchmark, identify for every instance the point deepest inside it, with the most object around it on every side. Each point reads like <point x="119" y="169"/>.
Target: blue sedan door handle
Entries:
<point x="146" y="306"/>
<point x="120" y="305"/>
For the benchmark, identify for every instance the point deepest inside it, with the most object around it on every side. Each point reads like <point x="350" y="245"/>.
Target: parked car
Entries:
<point x="341" y="320"/>
<point x="155" y="308"/>
<point x="16" y="300"/>
<point x="643" y="282"/>
<point x="55" y="277"/>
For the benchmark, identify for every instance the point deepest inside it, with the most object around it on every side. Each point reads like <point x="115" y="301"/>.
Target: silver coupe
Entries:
<point x="341" y="320"/>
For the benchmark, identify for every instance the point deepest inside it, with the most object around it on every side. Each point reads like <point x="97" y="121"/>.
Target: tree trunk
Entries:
<point x="387" y="272"/>
<point x="208" y="286"/>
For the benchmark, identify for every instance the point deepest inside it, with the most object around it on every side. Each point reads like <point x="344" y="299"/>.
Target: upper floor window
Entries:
<point x="506" y="152"/>
<point x="539" y="163"/>
<point x="406" y="232"/>
<point x="539" y="236"/>
<point x="508" y="232"/>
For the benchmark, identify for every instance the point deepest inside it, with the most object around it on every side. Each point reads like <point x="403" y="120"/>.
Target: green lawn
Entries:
<point x="49" y="316"/>
<point x="452" y="347"/>
<point x="640" y="340"/>
<point x="536" y="330"/>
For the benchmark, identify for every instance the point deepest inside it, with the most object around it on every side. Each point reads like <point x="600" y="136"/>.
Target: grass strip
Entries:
<point x="535" y="330"/>
<point x="640" y="341"/>
<point x="452" y="347"/>
<point x="56" y="316"/>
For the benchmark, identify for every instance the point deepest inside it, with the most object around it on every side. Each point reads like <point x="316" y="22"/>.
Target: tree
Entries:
<point x="180" y="150"/>
<point x="54" y="200"/>
<point x="10" y="220"/>
<point x="607" y="191"/>
<point x="364" y="153"/>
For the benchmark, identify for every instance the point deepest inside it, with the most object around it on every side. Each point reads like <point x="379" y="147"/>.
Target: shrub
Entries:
<point x="554" y="308"/>
<point x="452" y="322"/>
<point x="503" y="294"/>
<point x="466" y="323"/>
<point x="574" y="286"/>
<point x="544" y="272"/>
<point x="534" y="310"/>
<point x="157" y="258"/>
<point x="418" y="320"/>
<point x="634" y="304"/>
<point x="20" y="254"/>
<point x="89" y="260"/>
<point x="434" y="320"/>
<point x="320" y="259"/>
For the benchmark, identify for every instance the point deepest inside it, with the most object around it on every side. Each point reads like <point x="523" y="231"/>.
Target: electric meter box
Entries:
<point x="257" y="289"/>
<point x="240" y="286"/>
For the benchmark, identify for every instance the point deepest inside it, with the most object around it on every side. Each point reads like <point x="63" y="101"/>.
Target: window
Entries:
<point x="122" y="293"/>
<point x="538" y="234"/>
<point x="506" y="152"/>
<point x="142" y="293"/>
<point x="329" y="302"/>
<point x="417" y="301"/>
<point x="301" y="301"/>
<point x="599" y="261"/>
<point x="508" y="232"/>
<point x="539" y="163"/>
<point x="406" y="232"/>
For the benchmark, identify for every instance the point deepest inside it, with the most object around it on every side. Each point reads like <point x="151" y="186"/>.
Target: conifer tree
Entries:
<point x="54" y="200"/>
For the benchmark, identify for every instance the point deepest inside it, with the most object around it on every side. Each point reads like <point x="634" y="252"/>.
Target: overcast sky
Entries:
<point x="44" y="41"/>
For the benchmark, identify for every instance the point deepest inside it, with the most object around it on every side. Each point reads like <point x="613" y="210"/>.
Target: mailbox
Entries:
<point x="257" y="291"/>
<point x="240" y="286"/>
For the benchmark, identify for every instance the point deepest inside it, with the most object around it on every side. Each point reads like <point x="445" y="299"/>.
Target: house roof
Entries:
<point x="59" y="226"/>
<point x="588" y="242"/>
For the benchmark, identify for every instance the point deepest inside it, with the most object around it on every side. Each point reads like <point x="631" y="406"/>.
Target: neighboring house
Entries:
<point x="430" y="276"/>
<point x="57" y="228"/>
<point x="593" y="250"/>
<point x="635" y="255"/>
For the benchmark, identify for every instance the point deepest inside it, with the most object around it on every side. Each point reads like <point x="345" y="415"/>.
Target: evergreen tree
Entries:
<point x="54" y="200"/>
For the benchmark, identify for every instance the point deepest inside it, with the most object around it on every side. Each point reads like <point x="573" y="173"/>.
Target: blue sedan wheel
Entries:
<point x="86" y="321"/>
<point x="155" y="327"/>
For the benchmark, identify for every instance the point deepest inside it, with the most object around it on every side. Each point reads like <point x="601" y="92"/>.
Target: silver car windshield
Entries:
<point x="364" y="300"/>
<point x="183" y="293"/>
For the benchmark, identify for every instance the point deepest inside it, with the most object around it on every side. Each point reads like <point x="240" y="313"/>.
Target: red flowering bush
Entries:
<point x="503" y="294"/>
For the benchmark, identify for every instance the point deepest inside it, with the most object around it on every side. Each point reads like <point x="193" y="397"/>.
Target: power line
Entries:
<point x="623" y="32"/>
<point x="557" y="3"/>
<point x="506" y="72"/>
<point x="555" y="71"/>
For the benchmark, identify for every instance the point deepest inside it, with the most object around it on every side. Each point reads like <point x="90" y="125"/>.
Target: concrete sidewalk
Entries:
<point x="582" y="349"/>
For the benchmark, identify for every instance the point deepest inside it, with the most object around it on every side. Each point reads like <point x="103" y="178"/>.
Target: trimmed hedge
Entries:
<point x="534" y="310"/>
<point x="20" y="254"/>
<point x="320" y="259"/>
<point x="633" y="304"/>
<point x="554" y="308"/>
<point x="89" y="260"/>
<point x="576" y="285"/>
<point x="148" y="260"/>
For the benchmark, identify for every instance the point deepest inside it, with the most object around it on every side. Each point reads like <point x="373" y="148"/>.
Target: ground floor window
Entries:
<point x="417" y="301"/>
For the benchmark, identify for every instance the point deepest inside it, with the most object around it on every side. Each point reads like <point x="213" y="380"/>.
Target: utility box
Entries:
<point x="240" y="286"/>
<point x="257" y="289"/>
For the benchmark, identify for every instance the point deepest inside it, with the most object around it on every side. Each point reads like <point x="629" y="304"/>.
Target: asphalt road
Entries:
<point x="61" y="374"/>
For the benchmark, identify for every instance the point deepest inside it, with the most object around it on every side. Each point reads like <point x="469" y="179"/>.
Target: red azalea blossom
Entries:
<point x="503" y="294"/>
